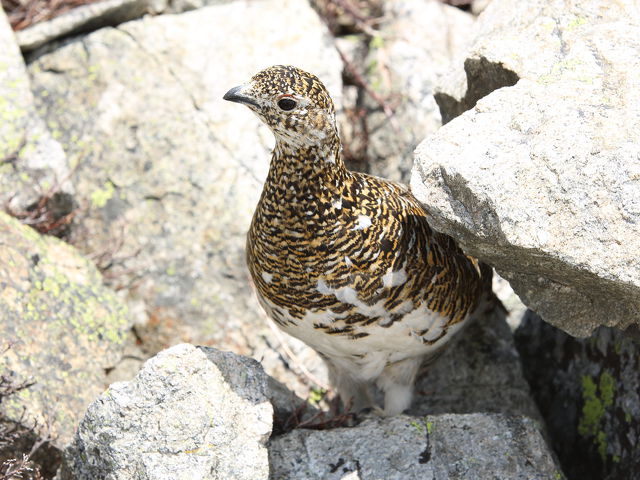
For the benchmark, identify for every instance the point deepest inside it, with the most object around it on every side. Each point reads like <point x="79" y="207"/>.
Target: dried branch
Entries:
<point x="14" y="469"/>
<point x="361" y="22"/>
<point x="24" y="13"/>
<point x="11" y="431"/>
<point x="362" y="82"/>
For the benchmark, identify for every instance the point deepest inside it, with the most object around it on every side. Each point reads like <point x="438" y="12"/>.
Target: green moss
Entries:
<point x="576" y="22"/>
<point x="100" y="197"/>
<point x="376" y="42"/>
<point x="30" y="147"/>
<point x="94" y="312"/>
<point x="558" y="69"/>
<point x="430" y="427"/>
<point x="592" y="410"/>
<point x="93" y="73"/>
<point x="617" y="347"/>
<point x="601" y="442"/>
<point x="371" y="66"/>
<point x="418" y="426"/>
<point x="424" y="426"/>
<point x="596" y="398"/>
<point x="316" y="395"/>
<point x="607" y="388"/>
<point x="14" y="84"/>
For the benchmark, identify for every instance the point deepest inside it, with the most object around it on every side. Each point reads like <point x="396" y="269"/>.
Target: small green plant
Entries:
<point x="316" y="395"/>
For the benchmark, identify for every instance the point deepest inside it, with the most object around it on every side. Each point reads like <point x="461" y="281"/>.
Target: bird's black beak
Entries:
<point x="238" y="95"/>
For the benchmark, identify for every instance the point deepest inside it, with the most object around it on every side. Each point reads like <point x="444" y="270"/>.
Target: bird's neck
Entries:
<point x="307" y="173"/>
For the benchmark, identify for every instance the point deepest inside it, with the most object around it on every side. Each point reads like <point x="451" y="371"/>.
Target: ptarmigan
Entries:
<point x="344" y="261"/>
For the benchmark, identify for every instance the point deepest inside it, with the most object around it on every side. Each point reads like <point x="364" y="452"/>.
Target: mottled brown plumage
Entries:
<point x="345" y="261"/>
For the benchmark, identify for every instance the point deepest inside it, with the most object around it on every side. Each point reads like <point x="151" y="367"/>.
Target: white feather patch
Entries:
<point x="363" y="222"/>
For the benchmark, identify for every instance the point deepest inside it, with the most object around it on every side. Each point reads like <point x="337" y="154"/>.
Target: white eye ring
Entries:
<point x="287" y="103"/>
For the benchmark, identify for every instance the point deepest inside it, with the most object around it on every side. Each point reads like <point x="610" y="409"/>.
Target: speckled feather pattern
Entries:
<point x="344" y="260"/>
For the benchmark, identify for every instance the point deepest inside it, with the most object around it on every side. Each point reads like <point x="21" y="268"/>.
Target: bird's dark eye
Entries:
<point x="287" y="103"/>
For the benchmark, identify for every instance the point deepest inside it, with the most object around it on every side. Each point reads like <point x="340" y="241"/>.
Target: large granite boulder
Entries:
<point x="588" y="391"/>
<point x="542" y="179"/>
<point x="190" y="413"/>
<point x="167" y="173"/>
<point x="64" y="327"/>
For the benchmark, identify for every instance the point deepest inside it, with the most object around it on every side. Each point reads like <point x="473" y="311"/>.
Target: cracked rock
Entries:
<point x="440" y="447"/>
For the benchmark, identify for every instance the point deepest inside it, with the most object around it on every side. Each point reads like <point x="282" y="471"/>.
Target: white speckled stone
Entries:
<point x="190" y="413"/>
<point x="542" y="179"/>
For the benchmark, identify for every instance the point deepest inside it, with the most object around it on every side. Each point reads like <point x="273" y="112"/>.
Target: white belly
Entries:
<point x="367" y="356"/>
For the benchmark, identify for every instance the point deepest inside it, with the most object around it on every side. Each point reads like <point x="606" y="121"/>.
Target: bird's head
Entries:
<point x="293" y="103"/>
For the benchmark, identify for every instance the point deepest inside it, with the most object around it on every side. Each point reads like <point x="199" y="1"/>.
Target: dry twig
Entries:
<point x="24" y="13"/>
<point x="361" y="81"/>
<point x="11" y="431"/>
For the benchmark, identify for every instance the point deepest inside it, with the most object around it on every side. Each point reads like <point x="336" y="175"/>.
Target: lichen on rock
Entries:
<point x="64" y="326"/>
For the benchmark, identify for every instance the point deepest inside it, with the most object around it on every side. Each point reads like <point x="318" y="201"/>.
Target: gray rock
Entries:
<point x="190" y="413"/>
<point x="84" y="19"/>
<point x="169" y="174"/>
<point x="64" y="326"/>
<point x="441" y="447"/>
<point x="417" y="41"/>
<point x="32" y="163"/>
<point x="589" y="393"/>
<point x="542" y="179"/>
<point x="94" y="16"/>
<point x="479" y="372"/>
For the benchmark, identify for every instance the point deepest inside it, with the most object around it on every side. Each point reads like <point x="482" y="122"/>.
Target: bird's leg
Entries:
<point x="396" y="381"/>
<point x="355" y="394"/>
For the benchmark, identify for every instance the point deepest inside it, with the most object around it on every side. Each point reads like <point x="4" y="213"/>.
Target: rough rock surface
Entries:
<point x="589" y="394"/>
<point x="190" y="413"/>
<point x="31" y="161"/>
<point x="413" y="32"/>
<point x="542" y="179"/>
<point x="480" y="372"/>
<point x="437" y="447"/>
<point x="167" y="173"/>
<point x="65" y="328"/>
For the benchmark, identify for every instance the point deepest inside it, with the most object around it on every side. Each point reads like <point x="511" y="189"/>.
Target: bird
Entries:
<point x="345" y="261"/>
